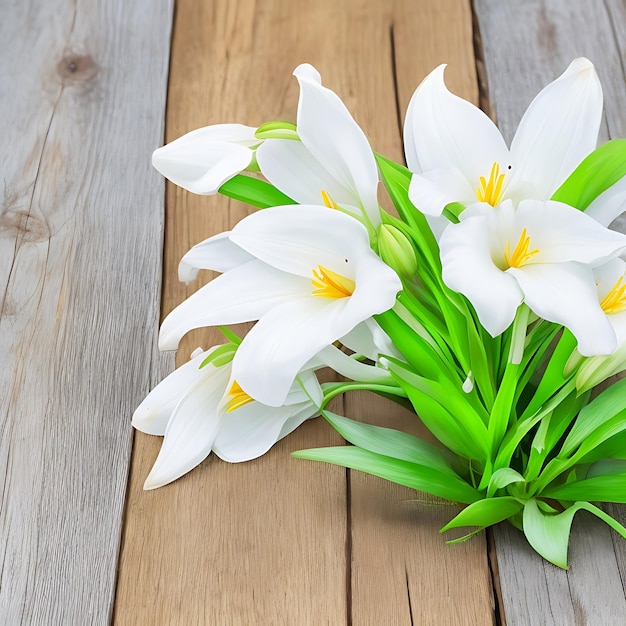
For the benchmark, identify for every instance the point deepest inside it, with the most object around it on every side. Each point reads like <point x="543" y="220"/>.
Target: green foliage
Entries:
<point x="601" y="169"/>
<point x="518" y="437"/>
<point x="254" y="191"/>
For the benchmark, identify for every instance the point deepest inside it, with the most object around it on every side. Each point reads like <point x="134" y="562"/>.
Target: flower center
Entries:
<point x="490" y="191"/>
<point x="237" y="398"/>
<point x="329" y="284"/>
<point x="521" y="254"/>
<point x="615" y="300"/>
<point x="328" y="201"/>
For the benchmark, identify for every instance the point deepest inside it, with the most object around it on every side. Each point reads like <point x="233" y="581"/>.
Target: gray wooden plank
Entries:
<point x="526" y="45"/>
<point x="82" y="95"/>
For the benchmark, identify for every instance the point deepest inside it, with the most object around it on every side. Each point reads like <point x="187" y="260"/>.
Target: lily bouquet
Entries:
<point x="493" y="302"/>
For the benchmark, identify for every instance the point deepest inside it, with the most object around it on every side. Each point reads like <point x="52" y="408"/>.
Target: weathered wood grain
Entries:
<point x="82" y="95"/>
<point x="267" y="541"/>
<point x="526" y="45"/>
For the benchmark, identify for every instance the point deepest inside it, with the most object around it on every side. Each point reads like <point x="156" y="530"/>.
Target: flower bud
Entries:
<point x="277" y="130"/>
<point x="396" y="251"/>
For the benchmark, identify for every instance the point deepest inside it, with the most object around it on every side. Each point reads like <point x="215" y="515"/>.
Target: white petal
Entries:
<point x="279" y="345"/>
<point x="432" y="190"/>
<point x="298" y="240"/>
<point x="290" y="167"/>
<point x="202" y="160"/>
<point x="192" y="429"/>
<point x="609" y="205"/>
<point x="152" y="415"/>
<point x="253" y="429"/>
<point x="606" y="275"/>
<point x="565" y="293"/>
<point x="443" y="131"/>
<point x="217" y="253"/>
<point x="332" y="136"/>
<point x="562" y="233"/>
<point x="468" y="268"/>
<point x="241" y="295"/>
<point x="559" y="129"/>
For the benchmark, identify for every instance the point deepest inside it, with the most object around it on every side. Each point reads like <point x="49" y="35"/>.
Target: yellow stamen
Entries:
<point x="328" y="201"/>
<point x="521" y="254"/>
<point x="615" y="300"/>
<point x="329" y="284"/>
<point x="491" y="191"/>
<point x="237" y="398"/>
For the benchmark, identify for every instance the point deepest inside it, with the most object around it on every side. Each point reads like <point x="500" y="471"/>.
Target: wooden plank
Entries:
<point x="233" y="63"/>
<point x="261" y="542"/>
<point x="525" y="47"/>
<point x="402" y="570"/>
<point x="82" y="94"/>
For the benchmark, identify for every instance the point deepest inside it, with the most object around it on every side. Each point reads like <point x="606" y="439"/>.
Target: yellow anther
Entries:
<point x="615" y="300"/>
<point x="521" y="254"/>
<point x="491" y="191"/>
<point x="328" y="201"/>
<point x="237" y="398"/>
<point x="329" y="284"/>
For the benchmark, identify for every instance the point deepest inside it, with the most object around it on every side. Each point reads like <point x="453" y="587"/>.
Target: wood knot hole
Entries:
<point x="77" y="68"/>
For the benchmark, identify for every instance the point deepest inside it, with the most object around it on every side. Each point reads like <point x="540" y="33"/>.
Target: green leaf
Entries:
<point x="419" y="477"/>
<point x="447" y="415"/>
<point x="389" y="442"/>
<point x="602" y="418"/>
<point x="502" y="478"/>
<point x="396" y="179"/>
<point x="612" y="448"/>
<point x="597" y="172"/>
<point x="549" y="534"/>
<point x="254" y="191"/>
<point x="485" y="513"/>
<point x="220" y="356"/>
<point x="606" y="488"/>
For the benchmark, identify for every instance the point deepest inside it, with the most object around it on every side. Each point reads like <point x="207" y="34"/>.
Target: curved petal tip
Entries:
<point x="305" y="71"/>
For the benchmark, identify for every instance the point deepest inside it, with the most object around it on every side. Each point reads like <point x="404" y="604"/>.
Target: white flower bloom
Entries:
<point x="610" y="204"/>
<point x="457" y="154"/>
<point x="309" y="278"/>
<point x="204" y="159"/>
<point x="541" y="253"/>
<point x="611" y="285"/>
<point x="332" y="164"/>
<point x="204" y="410"/>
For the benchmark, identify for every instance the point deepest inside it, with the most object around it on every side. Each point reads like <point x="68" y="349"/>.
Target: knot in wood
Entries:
<point x="22" y="225"/>
<point x="77" y="68"/>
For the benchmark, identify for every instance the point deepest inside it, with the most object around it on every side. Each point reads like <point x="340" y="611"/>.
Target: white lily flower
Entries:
<point x="204" y="410"/>
<point x="610" y="204"/>
<point x="611" y="285"/>
<point x="457" y="154"/>
<point x="541" y="253"/>
<point x="333" y="163"/>
<point x="311" y="278"/>
<point x="204" y="159"/>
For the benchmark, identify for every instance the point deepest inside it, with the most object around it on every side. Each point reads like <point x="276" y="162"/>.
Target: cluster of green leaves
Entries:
<point x="522" y="440"/>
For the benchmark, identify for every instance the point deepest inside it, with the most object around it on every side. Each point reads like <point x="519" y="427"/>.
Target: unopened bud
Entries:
<point x="277" y="130"/>
<point x="396" y="251"/>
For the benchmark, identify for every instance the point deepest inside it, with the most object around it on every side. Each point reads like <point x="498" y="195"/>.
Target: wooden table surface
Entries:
<point x="90" y="238"/>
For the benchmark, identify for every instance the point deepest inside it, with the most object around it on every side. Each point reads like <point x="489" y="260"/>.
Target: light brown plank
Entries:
<point x="82" y="97"/>
<point x="526" y="46"/>
<point x="402" y="570"/>
<point x="266" y="541"/>
<point x="262" y="542"/>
